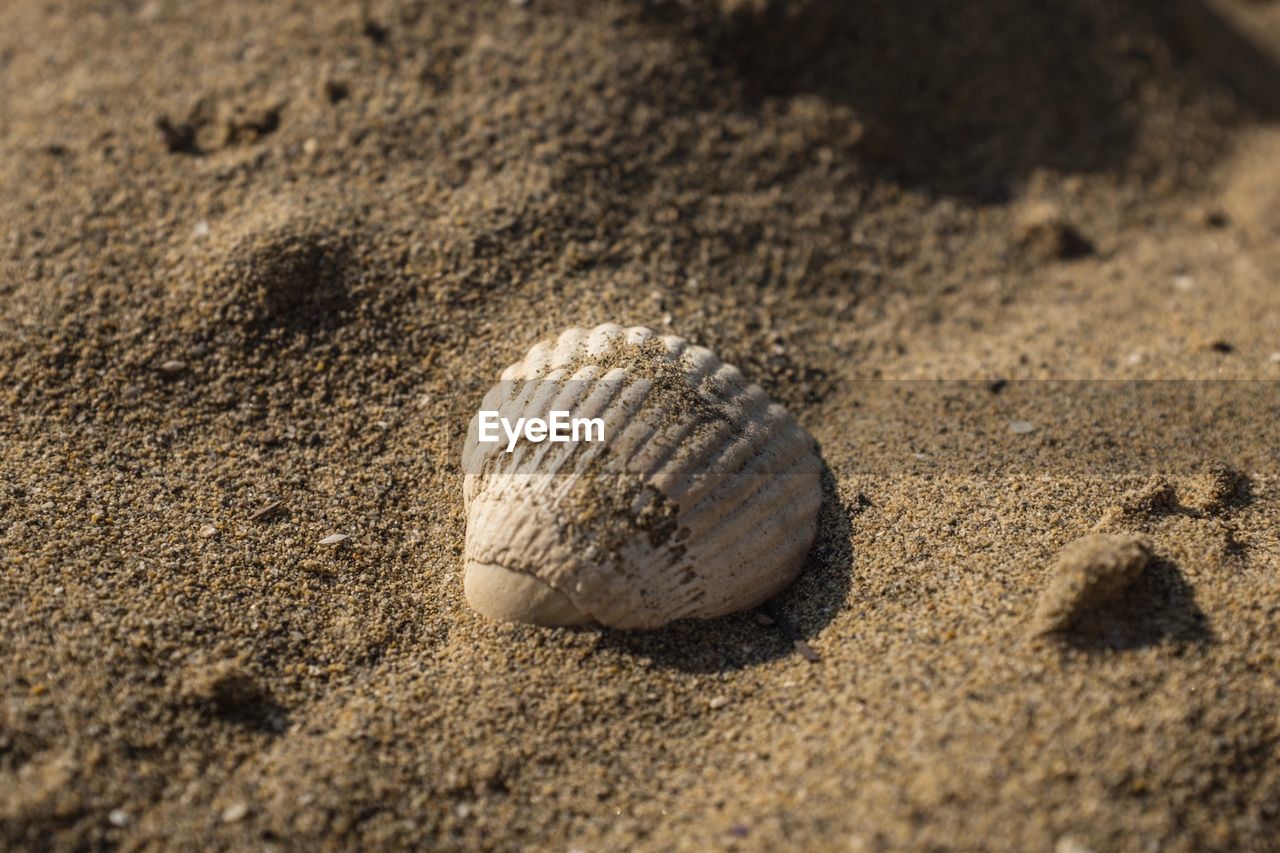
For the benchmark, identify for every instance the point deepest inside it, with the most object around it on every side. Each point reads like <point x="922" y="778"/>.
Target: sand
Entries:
<point x="259" y="262"/>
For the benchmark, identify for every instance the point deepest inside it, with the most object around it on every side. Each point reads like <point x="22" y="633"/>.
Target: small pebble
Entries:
<point x="234" y="812"/>
<point x="718" y="702"/>
<point x="201" y="229"/>
<point x="150" y="12"/>
<point x="1274" y="358"/>
<point x="334" y="539"/>
<point x="1067" y="844"/>
<point x="118" y="817"/>
<point x="1021" y="427"/>
<point x="1185" y="283"/>
<point x="207" y="531"/>
<point x="173" y="367"/>
<point x="806" y="651"/>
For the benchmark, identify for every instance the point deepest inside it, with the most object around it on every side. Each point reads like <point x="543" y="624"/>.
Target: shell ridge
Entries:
<point x="761" y="471"/>
<point x="734" y="551"/>
<point x="737" y="450"/>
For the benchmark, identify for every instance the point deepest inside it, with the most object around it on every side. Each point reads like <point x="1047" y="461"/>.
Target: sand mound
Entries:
<point x="1090" y="572"/>
<point x="283" y="269"/>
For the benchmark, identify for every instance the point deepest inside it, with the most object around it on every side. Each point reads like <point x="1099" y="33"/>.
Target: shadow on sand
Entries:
<point x="1160" y="607"/>
<point x="966" y="99"/>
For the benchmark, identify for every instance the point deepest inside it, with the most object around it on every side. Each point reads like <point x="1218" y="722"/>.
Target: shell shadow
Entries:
<point x="1159" y="607"/>
<point x="746" y="639"/>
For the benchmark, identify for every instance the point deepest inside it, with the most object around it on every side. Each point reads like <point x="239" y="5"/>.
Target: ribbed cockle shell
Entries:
<point x="701" y="500"/>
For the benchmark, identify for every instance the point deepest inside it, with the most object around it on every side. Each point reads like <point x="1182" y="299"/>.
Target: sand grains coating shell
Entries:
<point x="702" y="500"/>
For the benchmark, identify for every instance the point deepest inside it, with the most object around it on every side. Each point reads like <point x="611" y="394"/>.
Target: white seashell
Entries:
<point x="702" y="500"/>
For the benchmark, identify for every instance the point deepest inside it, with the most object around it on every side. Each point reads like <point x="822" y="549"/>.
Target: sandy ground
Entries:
<point x="259" y="261"/>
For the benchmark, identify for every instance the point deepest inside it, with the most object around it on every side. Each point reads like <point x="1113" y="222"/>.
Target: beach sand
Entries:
<point x="259" y="262"/>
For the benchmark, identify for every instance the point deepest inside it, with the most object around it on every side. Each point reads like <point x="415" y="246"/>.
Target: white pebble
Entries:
<point x="118" y="817"/>
<point x="718" y="702"/>
<point x="234" y="812"/>
<point x="334" y="539"/>
<point x="1021" y="427"/>
<point x="1067" y="844"/>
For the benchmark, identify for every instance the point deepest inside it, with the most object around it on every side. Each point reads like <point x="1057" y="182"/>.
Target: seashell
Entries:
<point x="701" y="500"/>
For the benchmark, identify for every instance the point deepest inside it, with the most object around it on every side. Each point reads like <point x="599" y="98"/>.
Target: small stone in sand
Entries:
<point x="334" y="539"/>
<point x="207" y="531"/>
<point x="806" y="651"/>
<point x="718" y="702"/>
<point x="1021" y="427"/>
<point x="1067" y="844"/>
<point x="1274" y="358"/>
<point x="118" y="817"/>
<point x="173" y="367"/>
<point x="235" y="812"/>
<point x="1089" y="572"/>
